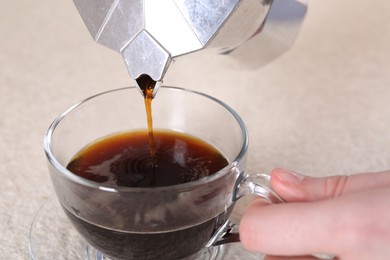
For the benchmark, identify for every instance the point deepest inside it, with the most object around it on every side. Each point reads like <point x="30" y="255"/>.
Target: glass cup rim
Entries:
<point x="52" y="160"/>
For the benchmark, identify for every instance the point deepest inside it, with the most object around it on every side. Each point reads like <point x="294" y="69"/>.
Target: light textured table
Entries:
<point x="321" y="109"/>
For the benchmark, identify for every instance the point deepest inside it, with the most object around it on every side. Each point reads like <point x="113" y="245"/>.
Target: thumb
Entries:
<point x="286" y="229"/>
<point x="292" y="186"/>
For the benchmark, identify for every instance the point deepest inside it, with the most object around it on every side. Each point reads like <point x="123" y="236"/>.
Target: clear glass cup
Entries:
<point x="171" y="222"/>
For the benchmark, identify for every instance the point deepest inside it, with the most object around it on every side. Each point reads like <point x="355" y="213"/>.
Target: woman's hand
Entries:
<point x="346" y="216"/>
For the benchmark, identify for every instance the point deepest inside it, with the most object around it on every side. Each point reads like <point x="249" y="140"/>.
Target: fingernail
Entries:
<point x="288" y="176"/>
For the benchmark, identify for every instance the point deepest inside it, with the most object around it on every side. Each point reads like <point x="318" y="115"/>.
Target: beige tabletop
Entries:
<point x="321" y="109"/>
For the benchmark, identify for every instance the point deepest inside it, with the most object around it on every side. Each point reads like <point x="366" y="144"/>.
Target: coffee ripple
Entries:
<point x="129" y="171"/>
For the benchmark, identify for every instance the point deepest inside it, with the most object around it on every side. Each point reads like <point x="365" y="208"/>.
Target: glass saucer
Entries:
<point x="52" y="236"/>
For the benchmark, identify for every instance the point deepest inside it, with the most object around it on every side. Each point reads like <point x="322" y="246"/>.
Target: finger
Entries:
<point x="288" y="229"/>
<point x="292" y="186"/>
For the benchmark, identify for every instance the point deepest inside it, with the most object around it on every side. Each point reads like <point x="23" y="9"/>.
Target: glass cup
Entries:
<point x="182" y="221"/>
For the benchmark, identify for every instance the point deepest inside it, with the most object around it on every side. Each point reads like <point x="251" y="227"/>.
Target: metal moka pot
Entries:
<point x="149" y="34"/>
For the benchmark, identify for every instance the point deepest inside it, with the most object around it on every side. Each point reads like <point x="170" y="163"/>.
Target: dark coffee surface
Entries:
<point x="124" y="159"/>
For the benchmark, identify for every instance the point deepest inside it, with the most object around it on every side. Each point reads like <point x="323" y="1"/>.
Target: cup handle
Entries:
<point x="257" y="184"/>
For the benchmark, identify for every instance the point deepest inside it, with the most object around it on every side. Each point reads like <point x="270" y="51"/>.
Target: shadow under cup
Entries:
<point x="171" y="222"/>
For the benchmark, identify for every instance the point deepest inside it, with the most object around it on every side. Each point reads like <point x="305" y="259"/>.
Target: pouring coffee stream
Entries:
<point x="147" y="86"/>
